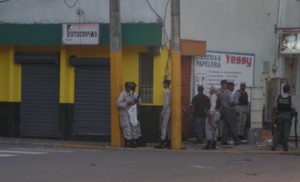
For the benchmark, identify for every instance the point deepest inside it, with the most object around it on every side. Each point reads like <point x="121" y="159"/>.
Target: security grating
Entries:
<point x="146" y="77"/>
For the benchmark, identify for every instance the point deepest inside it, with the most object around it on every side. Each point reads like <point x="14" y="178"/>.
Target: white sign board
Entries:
<point x="80" y="34"/>
<point x="209" y="70"/>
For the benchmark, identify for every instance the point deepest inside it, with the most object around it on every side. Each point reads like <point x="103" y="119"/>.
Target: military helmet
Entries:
<point x="129" y="85"/>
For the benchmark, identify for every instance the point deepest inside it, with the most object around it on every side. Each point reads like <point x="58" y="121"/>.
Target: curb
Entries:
<point x="150" y="147"/>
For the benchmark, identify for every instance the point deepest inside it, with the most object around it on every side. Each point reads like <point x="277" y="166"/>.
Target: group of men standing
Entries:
<point x="221" y="115"/>
<point x="127" y="102"/>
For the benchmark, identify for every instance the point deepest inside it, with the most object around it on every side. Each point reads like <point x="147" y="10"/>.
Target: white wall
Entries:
<point x="291" y="13"/>
<point x="233" y="26"/>
<point x="55" y="11"/>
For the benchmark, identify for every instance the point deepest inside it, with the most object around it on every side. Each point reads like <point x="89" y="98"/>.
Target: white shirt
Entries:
<point x="213" y="102"/>
<point x="167" y="101"/>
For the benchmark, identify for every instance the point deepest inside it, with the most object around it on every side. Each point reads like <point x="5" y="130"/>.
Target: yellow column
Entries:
<point x="176" y="111"/>
<point x="14" y="77"/>
<point x="176" y="117"/>
<point x="115" y="71"/>
<point x="4" y="72"/>
<point x="116" y="85"/>
<point x="67" y="78"/>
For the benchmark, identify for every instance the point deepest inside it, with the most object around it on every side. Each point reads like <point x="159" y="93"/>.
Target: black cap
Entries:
<point x="286" y="88"/>
<point x="223" y="81"/>
<point x="133" y="84"/>
<point x="167" y="81"/>
<point x="129" y="85"/>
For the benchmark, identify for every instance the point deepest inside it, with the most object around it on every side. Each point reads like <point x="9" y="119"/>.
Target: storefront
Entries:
<point x="56" y="86"/>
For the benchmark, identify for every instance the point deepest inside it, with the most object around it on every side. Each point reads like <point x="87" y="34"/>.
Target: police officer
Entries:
<point x="222" y="89"/>
<point x="228" y="114"/>
<point x="242" y="108"/>
<point x="213" y="116"/>
<point x="165" y="134"/>
<point x="283" y="112"/>
<point x="125" y="100"/>
<point x="137" y="130"/>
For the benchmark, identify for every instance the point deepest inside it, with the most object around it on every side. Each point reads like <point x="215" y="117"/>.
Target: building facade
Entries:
<point x="55" y="89"/>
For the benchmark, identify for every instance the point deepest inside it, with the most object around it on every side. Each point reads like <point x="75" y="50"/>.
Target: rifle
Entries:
<point x="295" y="127"/>
<point x="137" y="103"/>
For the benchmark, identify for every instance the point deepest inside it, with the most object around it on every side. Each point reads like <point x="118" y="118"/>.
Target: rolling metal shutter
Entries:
<point x="40" y="100"/>
<point x="92" y="97"/>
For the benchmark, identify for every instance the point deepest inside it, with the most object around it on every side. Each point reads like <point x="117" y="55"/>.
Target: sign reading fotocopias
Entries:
<point x="210" y="69"/>
<point x="80" y="34"/>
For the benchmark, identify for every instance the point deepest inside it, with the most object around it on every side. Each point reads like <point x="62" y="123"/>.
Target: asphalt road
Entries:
<point x="28" y="163"/>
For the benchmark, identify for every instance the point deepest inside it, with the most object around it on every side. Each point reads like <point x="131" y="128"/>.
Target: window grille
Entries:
<point x="146" y="77"/>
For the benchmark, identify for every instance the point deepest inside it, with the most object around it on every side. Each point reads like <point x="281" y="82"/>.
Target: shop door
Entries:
<point x="40" y="100"/>
<point x="92" y="98"/>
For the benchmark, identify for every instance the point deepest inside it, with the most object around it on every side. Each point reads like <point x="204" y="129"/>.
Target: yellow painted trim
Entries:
<point x="67" y="80"/>
<point x="4" y="62"/>
<point x="14" y="77"/>
<point x="131" y="64"/>
<point x="176" y="108"/>
<point x="116" y="83"/>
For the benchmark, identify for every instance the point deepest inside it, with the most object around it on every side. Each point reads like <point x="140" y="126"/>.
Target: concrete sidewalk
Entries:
<point x="187" y="145"/>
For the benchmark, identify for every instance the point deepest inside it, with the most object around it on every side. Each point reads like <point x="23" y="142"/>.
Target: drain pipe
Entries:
<point x="277" y="64"/>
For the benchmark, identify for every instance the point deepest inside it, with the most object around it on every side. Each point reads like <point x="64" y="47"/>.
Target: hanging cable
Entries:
<point x="166" y="38"/>
<point x="155" y="12"/>
<point x="161" y="20"/>
<point x="3" y="1"/>
<point x="70" y="6"/>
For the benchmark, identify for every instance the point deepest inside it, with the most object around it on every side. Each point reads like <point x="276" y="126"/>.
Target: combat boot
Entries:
<point x="208" y="145"/>
<point x="127" y="143"/>
<point x="161" y="145"/>
<point x="214" y="145"/>
<point x="132" y="143"/>
<point x="169" y="144"/>
<point x="141" y="142"/>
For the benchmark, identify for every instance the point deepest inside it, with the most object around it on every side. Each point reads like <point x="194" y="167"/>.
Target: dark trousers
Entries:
<point x="230" y="124"/>
<point x="283" y="128"/>
<point x="199" y="128"/>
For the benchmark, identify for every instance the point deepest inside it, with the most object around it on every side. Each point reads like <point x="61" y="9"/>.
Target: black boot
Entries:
<point x="161" y="145"/>
<point x="141" y="142"/>
<point x="214" y="145"/>
<point x="169" y="144"/>
<point x="127" y="143"/>
<point x="132" y="143"/>
<point x="208" y="145"/>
